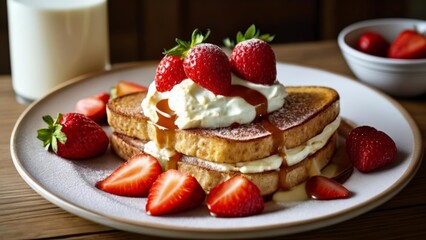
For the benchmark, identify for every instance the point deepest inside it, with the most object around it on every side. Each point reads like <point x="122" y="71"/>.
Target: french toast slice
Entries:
<point x="208" y="177"/>
<point x="125" y="115"/>
<point x="306" y="111"/>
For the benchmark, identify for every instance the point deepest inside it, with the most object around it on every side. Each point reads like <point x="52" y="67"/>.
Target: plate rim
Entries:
<point x="160" y="229"/>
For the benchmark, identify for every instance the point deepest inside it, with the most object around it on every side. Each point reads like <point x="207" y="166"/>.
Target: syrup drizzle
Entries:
<point x="253" y="97"/>
<point x="165" y="126"/>
<point x="260" y="103"/>
<point x="166" y="116"/>
<point x="165" y="129"/>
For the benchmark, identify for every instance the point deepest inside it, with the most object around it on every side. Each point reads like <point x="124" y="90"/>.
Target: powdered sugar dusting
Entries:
<point x="298" y="108"/>
<point x="240" y="133"/>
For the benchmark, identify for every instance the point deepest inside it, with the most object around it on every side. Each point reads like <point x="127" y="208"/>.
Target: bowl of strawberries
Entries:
<point x="388" y="54"/>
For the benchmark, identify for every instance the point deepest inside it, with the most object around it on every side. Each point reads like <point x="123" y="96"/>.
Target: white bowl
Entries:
<point x="398" y="77"/>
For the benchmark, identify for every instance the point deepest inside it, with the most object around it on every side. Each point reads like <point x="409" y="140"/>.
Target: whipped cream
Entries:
<point x="197" y="107"/>
<point x="270" y="163"/>
<point x="297" y="154"/>
<point x="273" y="162"/>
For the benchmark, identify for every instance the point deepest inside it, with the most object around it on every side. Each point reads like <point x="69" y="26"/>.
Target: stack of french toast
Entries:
<point x="309" y="117"/>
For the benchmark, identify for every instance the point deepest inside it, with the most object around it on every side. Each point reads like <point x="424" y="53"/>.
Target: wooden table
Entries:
<point x="24" y="214"/>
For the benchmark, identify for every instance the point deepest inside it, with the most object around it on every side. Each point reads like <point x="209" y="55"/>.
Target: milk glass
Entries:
<point x="52" y="41"/>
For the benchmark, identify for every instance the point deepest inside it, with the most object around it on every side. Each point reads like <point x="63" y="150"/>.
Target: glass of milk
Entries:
<point x="52" y="41"/>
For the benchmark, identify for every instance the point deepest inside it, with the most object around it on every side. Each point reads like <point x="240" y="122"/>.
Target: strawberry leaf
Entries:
<point x="52" y="134"/>
<point x="48" y="119"/>
<point x="250" y="33"/>
<point x="182" y="47"/>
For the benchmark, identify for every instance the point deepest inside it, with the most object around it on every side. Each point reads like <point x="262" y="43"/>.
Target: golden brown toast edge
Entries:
<point x="125" y="115"/>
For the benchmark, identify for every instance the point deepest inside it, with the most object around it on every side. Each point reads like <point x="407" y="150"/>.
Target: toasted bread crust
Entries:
<point x="125" y="115"/>
<point x="124" y="146"/>
<point x="268" y="182"/>
<point x="306" y="112"/>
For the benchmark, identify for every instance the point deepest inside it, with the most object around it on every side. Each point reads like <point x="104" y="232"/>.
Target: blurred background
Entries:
<point x="141" y="29"/>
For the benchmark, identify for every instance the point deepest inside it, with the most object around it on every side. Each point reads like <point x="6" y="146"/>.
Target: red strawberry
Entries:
<point x="133" y="178"/>
<point x="324" y="188"/>
<point x="235" y="197"/>
<point x="124" y="88"/>
<point x="409" y="44"/>
<point x="254" y="61"/>
<point x="73" y="136"/>
<point x="104" y="97"/>
<point x="373" y="43"/>
<point x="93" y="107"/>
<point x="169" y="73"/>
<point x="252" y="58"/>
<point x="207" y="65"/>
<point x="174" y="192"/>
<point x="370" y="149"/>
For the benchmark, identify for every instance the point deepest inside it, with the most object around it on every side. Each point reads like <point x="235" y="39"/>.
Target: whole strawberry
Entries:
<point x="370" y="149"/>
<point x="373" y="43"/>
<point x="73" y="136"/>
<point x="252" y="58"/>
<point x="205" y="64"/>
<point x="169" y="73"/>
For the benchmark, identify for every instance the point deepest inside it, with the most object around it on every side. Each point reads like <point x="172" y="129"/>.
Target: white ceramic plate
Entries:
<point x="70" y="184"/>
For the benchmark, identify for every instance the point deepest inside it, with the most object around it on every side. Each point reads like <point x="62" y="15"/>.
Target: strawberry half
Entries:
<point x="169" y="73"/>
<point x="370" y="149"/>
<point x="73" y="136"/>
<point x="133" y="178"/>
<point x="235" y="197"/>
<point x="104" y="97"/>
<point x="409" y="44"/>
<point x="174" y="192"/>
<point x="124" y="87"/>
<point x="324" y="188"/>
<point x="94" y="107"/>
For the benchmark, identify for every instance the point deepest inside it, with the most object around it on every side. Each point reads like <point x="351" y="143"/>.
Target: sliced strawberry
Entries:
<point x="174" y="192"/>
<point x="169" y="73"/>
<point x="133" y="178"/>
<point x="93" y="107"/>
<point x="409" y="44"/>
<point x="235" y="197"/>
<point x="370" y="149"/>
<point x="104" y="97"/>
<point x="124" y="88"/>
<point x="324" y="188"/>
